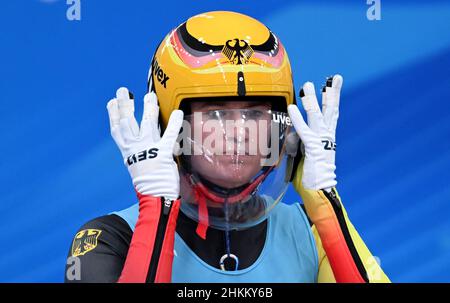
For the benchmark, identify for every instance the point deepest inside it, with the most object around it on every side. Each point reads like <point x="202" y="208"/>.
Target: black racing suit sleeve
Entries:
<point x="98" y="251"/>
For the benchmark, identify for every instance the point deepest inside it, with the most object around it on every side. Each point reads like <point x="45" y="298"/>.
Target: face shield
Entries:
<point x="235" y="165"/>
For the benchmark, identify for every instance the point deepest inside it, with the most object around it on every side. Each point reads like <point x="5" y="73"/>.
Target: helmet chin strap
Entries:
<point x="202" y="193"/>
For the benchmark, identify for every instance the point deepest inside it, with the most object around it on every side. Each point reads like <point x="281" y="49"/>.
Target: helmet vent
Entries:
<point x="241" y="84"/>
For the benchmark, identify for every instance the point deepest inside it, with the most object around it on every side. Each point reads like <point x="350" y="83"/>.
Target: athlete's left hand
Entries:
<point x="319" y="135"/>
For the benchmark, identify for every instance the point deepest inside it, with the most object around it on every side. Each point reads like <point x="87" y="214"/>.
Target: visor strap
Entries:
<point x="203" y="218"/>
<point x="227" y="230"/>
<point x="227" y="240"/>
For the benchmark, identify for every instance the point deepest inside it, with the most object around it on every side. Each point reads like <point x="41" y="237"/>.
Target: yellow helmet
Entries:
<point x="219" y="54"/>
<point x="226" y="54"/>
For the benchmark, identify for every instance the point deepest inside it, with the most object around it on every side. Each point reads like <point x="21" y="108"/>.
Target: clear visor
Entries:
<point x="235" y="165"/>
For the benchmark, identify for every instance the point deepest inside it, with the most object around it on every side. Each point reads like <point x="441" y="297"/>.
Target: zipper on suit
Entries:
<point x="166" y="206"/>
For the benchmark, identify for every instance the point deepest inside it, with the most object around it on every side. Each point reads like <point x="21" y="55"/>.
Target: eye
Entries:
<point x="252" y="114"/>
<point x="213" y="115"/>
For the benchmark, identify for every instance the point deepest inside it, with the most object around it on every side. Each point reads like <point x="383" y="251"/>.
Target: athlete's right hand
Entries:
<point x="148" y="156"/>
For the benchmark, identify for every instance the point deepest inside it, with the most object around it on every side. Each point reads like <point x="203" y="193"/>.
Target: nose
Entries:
<point x="240" y="132"/>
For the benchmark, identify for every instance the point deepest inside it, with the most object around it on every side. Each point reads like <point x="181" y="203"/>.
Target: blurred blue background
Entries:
<point x="59" y="166"/>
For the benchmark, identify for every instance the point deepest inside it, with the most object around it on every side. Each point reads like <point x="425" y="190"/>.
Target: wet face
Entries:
<point x="231" y="134"/>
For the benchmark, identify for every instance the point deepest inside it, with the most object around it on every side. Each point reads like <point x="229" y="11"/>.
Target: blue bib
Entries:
<point x="289" y="253"/>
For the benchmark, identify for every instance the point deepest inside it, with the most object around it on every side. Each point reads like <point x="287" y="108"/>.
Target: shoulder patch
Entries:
<point x="85" y="241"/>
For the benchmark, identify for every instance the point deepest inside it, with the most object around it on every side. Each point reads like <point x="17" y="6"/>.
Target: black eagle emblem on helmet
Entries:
<point x="239" y="52"/>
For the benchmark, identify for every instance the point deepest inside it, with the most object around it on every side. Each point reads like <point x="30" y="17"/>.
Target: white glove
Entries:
<point x="318" y="137"/>
<point x="149" y="157"/>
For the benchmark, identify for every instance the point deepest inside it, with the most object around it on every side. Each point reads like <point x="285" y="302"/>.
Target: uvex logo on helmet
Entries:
<point x="279" y="118"/>
<point x="159" y="74"/>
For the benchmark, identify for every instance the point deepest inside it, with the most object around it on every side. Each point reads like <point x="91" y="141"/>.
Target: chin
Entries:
<point x="229" y="171"/>
<point x="228" y="184"/>
<point x="232" y="179"/>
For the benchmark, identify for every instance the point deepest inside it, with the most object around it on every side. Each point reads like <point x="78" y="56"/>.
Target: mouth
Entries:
<point x="237" y="162"/>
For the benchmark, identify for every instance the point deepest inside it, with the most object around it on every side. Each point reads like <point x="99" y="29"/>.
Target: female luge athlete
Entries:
<point x="221" y="93"/>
